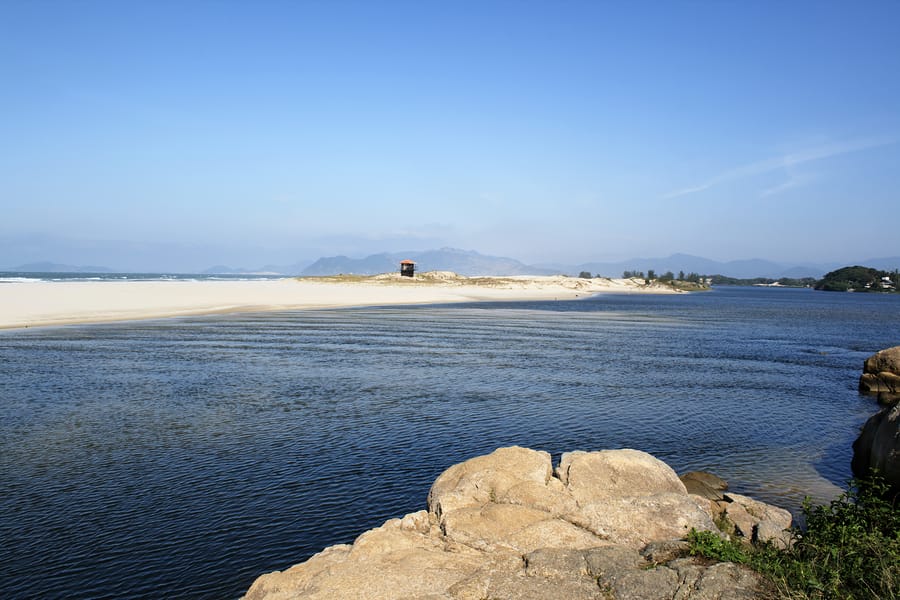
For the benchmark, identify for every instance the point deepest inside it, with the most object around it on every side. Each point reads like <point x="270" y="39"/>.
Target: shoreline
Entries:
<point x="25" y="305"/>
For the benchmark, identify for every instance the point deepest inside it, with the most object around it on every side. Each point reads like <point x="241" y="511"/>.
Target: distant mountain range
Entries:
<point x="471" y="263"/>
<point x="464" y="262"/>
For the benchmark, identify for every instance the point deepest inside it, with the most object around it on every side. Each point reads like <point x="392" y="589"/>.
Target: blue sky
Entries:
<point x="547" y="131"/>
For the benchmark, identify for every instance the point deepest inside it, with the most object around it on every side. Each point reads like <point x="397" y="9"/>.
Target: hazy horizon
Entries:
<point x="169" y="258"/>
<point x="180" y="136"/>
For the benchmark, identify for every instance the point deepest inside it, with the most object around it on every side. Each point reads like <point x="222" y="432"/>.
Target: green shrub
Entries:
<point x="709" y="544"/>
<point x="849" y="549"/>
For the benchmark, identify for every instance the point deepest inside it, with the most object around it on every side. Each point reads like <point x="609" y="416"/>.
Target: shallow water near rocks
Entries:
<point x="185" y="457"/>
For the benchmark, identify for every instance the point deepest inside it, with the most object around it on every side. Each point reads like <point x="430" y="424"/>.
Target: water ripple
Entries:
<point x="184" y="457"/>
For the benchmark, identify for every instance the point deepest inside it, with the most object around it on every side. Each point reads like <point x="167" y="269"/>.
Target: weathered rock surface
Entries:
<point x="604" y="525"/>
<point x="756" y="521"/>
<point x="881" y="375"/>
<point x="884" y="360"/>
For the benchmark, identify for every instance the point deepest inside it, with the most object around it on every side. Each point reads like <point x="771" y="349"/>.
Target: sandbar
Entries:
<point x="50" y="303"/>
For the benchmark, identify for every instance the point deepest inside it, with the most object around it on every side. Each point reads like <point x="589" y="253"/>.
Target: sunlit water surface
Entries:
<point x="184" y="457"/>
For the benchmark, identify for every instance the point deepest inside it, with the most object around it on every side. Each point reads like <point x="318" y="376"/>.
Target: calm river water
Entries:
<point x="184" y="457"/>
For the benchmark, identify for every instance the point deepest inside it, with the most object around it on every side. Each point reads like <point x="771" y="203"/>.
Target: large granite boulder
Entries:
<point x="878" y="447"/>
<point x="881" y="375"/>
<point x="506" y="526"/>
<point x="630" y="497"/>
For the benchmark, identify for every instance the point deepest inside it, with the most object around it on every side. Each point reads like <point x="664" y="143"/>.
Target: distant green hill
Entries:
<point x="859" y="279"/>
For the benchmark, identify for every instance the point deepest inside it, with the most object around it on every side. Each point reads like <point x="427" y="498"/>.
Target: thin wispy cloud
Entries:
<point x="794" y="181"/>
<point x="784" y="162"/>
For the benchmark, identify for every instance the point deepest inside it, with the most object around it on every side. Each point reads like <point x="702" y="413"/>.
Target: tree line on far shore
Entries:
<point x="847" y="279"/>
<point x="665" y="277"/>
<point x="652" y="276"/>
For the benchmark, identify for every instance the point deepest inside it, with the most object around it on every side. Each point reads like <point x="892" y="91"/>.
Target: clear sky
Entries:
<point x="546" y="131"/>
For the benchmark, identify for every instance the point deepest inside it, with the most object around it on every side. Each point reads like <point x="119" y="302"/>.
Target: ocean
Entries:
<point x="185" y="457"/>
<point x="31" y="276"/>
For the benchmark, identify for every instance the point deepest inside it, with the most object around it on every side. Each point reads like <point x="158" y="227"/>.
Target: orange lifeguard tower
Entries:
<point x="407" y="268"/>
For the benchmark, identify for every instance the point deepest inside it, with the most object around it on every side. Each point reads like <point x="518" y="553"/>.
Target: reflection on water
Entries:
<point x="184" y="457"/>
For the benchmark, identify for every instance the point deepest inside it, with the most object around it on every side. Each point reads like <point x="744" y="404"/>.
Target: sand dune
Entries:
<point x="44" y="303"/>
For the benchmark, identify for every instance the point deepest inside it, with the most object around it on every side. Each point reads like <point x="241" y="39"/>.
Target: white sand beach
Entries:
<point x="46" y="303"/>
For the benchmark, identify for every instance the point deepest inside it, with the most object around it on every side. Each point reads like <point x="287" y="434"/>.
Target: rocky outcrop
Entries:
<point x="881" y="375"/>
<point x="878" y="447"/>
<point x="602" y="525"/>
